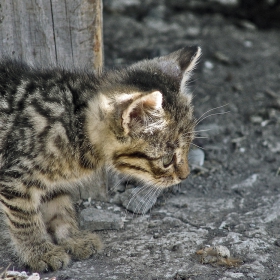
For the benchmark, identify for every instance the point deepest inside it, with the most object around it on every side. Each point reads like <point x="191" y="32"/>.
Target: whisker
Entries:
<point x="142" y="202"/>
<point x="200" y="137"/>
<point x="134" y="195"/>
<point x="197" y="146"/>
<point x="150" y="199"/>
<point x="210" y="110"/>
<point x="200" y="120"/>
<point x="195" y="131"/>
<point x="155" y="194"/>
<point x="112" y="189"/>
<point x="179" y="186"/>
<point x="131" y="199"/>
<point x="202" y="130"/>
<point x="138" y="206"/>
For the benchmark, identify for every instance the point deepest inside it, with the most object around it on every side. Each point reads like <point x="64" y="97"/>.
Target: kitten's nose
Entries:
<point x="183" y="171"/>
<point x="184" y="177"/>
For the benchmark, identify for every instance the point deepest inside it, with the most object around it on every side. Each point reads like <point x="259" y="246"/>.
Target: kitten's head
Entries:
<point x="149" y="118"/>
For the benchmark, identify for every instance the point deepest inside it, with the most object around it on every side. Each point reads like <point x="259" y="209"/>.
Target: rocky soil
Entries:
<point x="233" y="199"/>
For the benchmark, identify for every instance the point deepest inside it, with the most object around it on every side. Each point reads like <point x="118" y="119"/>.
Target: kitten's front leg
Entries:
<point x="60" y="218"/>
<point x="34" y="247"/>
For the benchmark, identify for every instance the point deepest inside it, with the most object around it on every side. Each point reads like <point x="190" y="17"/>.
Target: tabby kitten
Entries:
<point x="57" y="127"/>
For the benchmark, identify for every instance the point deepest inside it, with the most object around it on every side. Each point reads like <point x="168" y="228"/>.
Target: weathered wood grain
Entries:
<point x="64" y="32"/>
<point x="26" y="30"/>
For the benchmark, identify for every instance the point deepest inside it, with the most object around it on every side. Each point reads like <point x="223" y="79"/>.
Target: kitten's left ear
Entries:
<point x="139" y="109"/>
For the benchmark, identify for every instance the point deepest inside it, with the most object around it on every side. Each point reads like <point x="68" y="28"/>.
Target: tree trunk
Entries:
<point x="56" y="32"/>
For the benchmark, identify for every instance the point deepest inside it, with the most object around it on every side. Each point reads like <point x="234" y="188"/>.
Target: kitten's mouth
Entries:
<point x="161" y="182"/>
<point x="167" y="182"/>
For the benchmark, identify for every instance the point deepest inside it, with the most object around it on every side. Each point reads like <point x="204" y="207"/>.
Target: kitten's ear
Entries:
<point x="181" y="64"/>
<point x="188" y="59"/>
<point x="140" y="109"/>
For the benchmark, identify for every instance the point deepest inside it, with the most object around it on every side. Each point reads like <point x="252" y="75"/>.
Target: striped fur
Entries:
<point x="59" y="126"/>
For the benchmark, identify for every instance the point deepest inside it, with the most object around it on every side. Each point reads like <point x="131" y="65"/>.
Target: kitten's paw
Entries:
<point x="47" y="257"/>
<point x="82" y="245"/>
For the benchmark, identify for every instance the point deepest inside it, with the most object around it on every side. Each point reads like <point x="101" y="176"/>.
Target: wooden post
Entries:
<point x="98" y="37"/>
<point x="56" y="32"/>
<point x="63" y="32"/>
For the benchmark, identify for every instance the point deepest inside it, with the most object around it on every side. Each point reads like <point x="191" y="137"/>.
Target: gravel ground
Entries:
<point x="234" y="199"/>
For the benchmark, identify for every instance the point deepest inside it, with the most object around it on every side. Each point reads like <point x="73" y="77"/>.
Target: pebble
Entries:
<point x="246" y="183"/>
<point x="242" y="150"/>
<point x="248" y="44"/>
<point x="196" y="157"/>
<point x="222" y="57"/>
<point x="172" y="222"/>
<point x="34" y="276"/>
<point x="97" y="219"/>
<point x="208" y="65"/>
<point x="247" y="25"/>
<point x="11" y="274"/>
<point x="138" y="200"/>
<point x="256" y="119"/>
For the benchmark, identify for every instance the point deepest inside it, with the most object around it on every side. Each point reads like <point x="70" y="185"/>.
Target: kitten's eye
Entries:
<point x="167" y="160"/>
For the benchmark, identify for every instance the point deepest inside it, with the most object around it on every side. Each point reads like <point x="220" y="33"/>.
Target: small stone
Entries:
<point x="265" y="123"/>
<point x="256" y="119"/>
<point x="277" y="242"/>
<point x="24" y="274"/>
<point x="242" y="150"/>
<point x="222" y="251"/>
<point x="246" y="183"/>
<point x="247" y="25"/>
<point x="229" y="3"/>
<point x="222" y="57"/>
<point x="248" y="44"/>
<point x="96" y="219"/>
<point x="238" y="140"/>
<point x="34" y="276"/>
<point x="156" y="235"/>
<point x="237" y="87"/>
<point x="139" y="200"/>
<point x="108" y="254"/>
<point x="176" y="247"/>
<point x="172" y="222"/>
<point x="122" y="6"/>
<point x="193" y="31"/>
<point x="20" y="275"/>
<point x="208" y="65"/>
<point x="116" y="209"/>
<point x="274" y="148"/>
<point x="196" y="157"/>
<point x="155" y="223"/>
<point x="86" y="203"/>
<point x="217" y="254"/>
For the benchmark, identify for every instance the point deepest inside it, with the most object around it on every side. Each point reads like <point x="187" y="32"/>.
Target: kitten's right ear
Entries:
<point x="181" y="64"/>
